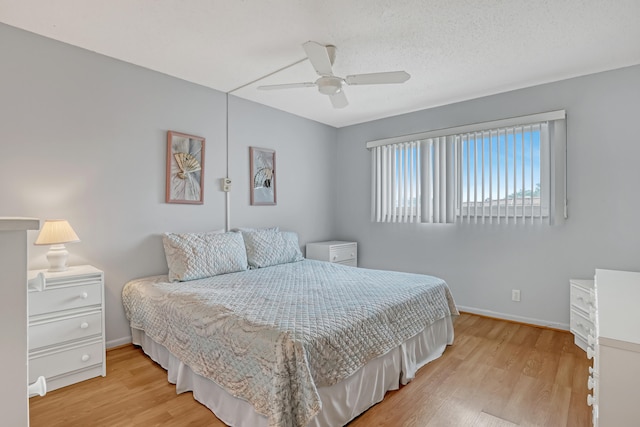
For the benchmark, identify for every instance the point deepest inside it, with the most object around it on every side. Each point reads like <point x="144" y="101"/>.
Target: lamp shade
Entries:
<point x="55" y="232"/>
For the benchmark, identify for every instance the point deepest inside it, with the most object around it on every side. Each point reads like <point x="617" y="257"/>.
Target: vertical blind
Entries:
<point x="504" y="171"/>
<point x="438" y="199"/>
<point x="396" y="178"/>
<point x="414" y="181"/>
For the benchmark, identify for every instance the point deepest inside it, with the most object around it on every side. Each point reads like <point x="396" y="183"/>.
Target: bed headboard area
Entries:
<point x="193" y="256"/>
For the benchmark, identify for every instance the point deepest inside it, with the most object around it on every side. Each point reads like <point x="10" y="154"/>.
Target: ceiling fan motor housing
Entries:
<point x="329" y="85"/>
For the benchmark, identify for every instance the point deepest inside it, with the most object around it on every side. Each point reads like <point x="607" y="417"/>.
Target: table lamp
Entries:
<point x="57" y="232"/>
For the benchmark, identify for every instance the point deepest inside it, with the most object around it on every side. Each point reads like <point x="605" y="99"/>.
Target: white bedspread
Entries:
<point x="273" y="335"/>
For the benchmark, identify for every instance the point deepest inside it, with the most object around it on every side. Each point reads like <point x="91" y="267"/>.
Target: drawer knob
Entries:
<point x="335" y="257"/>
<point x="84" y="325"/>
<point x="84" y="295"/>
<point x="85" y="357"/>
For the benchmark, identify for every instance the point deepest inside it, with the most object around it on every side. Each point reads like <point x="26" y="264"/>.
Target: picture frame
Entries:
<point x="185" y="168"/>
<point x="262" y="179"/>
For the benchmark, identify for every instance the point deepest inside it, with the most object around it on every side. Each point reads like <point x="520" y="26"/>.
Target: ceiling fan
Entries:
<point x="322" y="58"/>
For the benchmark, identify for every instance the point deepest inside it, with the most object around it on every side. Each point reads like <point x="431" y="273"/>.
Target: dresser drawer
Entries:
<point x="581" y="298"/>
<point x="343" y="253"/>
<point x="65" y="361"/>
<point x="64" y="299"/>
<point x="580" y="324"/>
<point x="43" y="334"/>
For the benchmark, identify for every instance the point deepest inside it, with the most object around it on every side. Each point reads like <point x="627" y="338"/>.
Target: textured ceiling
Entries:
<point x="453" y="49"/>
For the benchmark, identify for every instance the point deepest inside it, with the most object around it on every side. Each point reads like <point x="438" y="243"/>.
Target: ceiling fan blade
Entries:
<point x="339" y="100"/>
<point x="287" y="86"/>
<point x="378" y="78"/>
<point x="319" y="57"/>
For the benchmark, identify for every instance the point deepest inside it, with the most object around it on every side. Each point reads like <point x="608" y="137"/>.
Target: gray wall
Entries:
<point x="84" y="138"/>
<point x="482" y="263"/>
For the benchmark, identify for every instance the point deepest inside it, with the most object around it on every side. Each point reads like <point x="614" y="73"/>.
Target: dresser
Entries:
<point x="66" y="325"/>
<point x="582" y="302"/>
<point x="615" y="349"/>
<point x="345" y="253"/>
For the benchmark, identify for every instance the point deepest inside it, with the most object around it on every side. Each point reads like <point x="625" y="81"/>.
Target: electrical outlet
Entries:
<point x="226" y="184"/>
<point x="515" y="295"/>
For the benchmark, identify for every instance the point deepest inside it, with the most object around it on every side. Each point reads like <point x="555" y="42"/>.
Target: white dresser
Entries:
<point x="338" y="251"/>
<point x="66" y="325"/>
<point x="582" y="302"/>
<point x="615" y="347"/>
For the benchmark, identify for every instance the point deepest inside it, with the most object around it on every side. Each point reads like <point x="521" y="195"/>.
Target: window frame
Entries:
<point x="553" y="169"/>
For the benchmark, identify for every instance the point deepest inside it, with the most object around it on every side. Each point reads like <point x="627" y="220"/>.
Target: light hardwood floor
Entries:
<point x="497" y="373"/>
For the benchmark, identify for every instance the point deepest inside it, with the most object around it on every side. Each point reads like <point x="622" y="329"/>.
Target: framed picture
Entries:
<point x="263" y="176"/>
<point x="185" y="168"/>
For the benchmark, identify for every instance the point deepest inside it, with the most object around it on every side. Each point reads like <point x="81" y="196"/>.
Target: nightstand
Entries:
<point x="66" y="325"/>
<point x="345" y="253"/>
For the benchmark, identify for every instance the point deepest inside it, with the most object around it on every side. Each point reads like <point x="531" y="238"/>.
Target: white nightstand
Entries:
<point x="66" y="325"/>
<point x="582" y="302"/>
<point x="345" y="253"/>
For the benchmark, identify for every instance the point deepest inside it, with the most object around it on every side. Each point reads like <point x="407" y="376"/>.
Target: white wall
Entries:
<point x="84" y="139"/>
<point x="482" y="263"/>
<point x="305" y="162"/>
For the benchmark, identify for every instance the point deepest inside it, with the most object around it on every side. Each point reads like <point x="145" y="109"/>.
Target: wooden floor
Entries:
<point x="497" y="373"/>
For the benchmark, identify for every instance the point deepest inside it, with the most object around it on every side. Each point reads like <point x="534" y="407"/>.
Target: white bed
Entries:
<point x="304" y="343"/>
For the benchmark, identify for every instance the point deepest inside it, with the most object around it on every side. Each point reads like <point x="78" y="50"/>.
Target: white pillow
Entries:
<point x="193" y="256"/>
<point x="268" y="246"/>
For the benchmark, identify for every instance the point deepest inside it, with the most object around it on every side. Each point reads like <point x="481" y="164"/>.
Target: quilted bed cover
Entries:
<point x="272" y="335"/>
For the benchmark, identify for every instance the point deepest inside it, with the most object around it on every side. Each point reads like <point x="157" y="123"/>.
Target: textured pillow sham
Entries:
<point x="268" y="246"/>
<point x="292" y="245"/>
<point x="193" y="256"/>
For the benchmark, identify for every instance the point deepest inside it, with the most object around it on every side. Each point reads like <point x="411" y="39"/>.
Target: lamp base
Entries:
<point x="57" y="257"/>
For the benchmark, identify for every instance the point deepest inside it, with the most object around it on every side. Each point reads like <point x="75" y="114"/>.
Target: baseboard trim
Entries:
<point x="514" y="318"/>
<point x="118" y="342"/>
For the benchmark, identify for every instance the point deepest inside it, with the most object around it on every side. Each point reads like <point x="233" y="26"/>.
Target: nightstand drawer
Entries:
<point x="343" y="253"/>
<point x="339" y="251"/>
<point x="43" y="334"/>
<point x="349" y="262"/>
<point x="65" y="361"/>
<point x="64" y="299"/>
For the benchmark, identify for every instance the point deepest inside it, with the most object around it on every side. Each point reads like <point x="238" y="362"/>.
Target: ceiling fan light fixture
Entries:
<point x="329" y="85"/>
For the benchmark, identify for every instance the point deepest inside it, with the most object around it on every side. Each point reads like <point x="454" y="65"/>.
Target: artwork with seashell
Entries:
<point x="185" y="168"/>
<point x="263" y="179"/>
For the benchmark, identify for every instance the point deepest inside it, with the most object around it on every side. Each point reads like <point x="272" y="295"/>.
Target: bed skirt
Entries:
<point x="341" y="402"/>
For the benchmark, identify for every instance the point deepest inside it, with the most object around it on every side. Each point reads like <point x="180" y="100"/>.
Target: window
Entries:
<point x="504" y="171"/>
